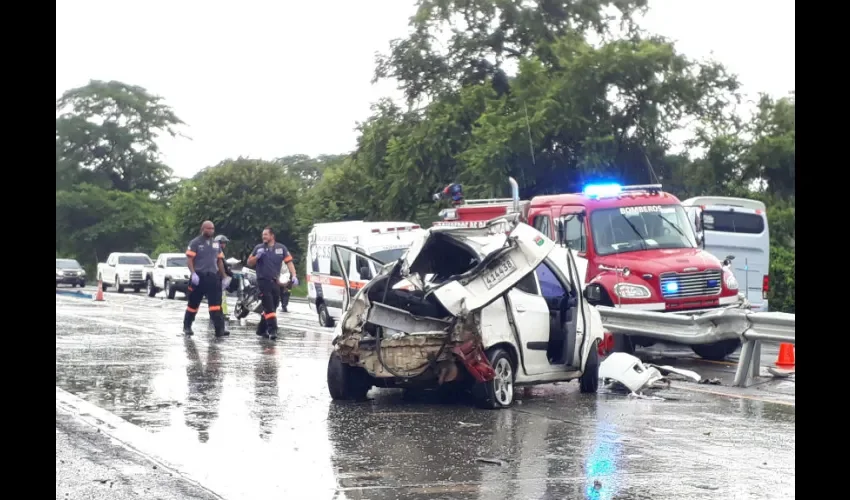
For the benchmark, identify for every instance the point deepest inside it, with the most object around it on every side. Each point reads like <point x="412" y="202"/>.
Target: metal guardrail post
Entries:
<point x="745" y="363"/>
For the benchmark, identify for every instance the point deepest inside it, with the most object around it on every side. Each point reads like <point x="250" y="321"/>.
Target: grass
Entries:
<point x="300" y="290"/>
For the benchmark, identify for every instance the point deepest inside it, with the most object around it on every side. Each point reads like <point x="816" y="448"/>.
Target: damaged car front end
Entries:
<point x="418" y="322"/>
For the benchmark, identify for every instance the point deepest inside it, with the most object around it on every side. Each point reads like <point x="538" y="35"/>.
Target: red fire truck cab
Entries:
<point x="635" y="246"/>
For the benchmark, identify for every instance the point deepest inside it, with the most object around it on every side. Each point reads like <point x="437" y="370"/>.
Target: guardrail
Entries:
<point x="706" y="328"/>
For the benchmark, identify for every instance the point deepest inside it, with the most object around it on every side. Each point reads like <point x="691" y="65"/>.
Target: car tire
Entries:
<point x="499" y="392"/>
<point x="137" y="289"/>
<point x="622" y="343"/>
<point x="152" y="291"/>
<point x="589" y="381"/>
<point x="73" y="285"/>
<point x="82" y="284"/>
<point x="119" y="285"/>
<point x="324" y="316"/>
<point x="169" y="290"/>
<point x="716" y="351"/>
<point x="346" y="382"/>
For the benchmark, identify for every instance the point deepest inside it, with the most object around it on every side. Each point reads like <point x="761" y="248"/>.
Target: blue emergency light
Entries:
<point x="671" y="287"/>
<point x="597" y="190"/>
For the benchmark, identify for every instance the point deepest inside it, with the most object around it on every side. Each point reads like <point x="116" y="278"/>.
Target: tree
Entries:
<point x="241" y="197"/>
<point x="92" y="222"/>
<point x="486" y="33"/>
<point x="106" y="134"/>
<point x="306" y="169"/>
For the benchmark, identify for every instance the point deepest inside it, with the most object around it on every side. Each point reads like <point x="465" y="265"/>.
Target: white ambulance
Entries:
<point x="384" y="241"/>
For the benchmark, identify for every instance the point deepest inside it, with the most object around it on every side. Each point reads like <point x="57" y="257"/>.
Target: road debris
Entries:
<point x="624" y="371"/>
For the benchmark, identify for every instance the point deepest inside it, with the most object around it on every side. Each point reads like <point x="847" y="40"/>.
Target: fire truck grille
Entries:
<point x="697" y="284"/>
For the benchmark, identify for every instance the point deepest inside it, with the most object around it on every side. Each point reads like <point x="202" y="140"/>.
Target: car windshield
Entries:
<point x="391" y="255"/>
<point x="175" y="262"/>
<point x="134" y="260"/>
<point x="67" y="264"/>
<point x="643" y="227"/>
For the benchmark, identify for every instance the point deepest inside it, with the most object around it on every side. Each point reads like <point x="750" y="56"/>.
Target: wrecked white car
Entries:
<point x="482" y="309"/>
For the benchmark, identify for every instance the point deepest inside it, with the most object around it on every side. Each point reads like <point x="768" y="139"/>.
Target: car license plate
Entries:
<point x="501" y="271"/>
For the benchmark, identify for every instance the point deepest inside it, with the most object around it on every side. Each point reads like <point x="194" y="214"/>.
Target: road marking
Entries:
<point x="733" y="395"/>
<point x="130" y="436"/>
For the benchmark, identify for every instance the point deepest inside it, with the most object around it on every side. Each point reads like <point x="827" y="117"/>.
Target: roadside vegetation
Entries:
<point x="519" y="92"/>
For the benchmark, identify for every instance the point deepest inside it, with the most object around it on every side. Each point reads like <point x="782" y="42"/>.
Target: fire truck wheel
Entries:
<point x="622" y="343"/>
<point x="717" y="351"/>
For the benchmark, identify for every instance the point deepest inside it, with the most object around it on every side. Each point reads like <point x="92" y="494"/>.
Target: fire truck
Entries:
<point x="635" y="246"/>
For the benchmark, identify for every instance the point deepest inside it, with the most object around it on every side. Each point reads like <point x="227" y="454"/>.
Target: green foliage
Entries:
<point x="240" y="197"/>
<point x="91" y="222"/>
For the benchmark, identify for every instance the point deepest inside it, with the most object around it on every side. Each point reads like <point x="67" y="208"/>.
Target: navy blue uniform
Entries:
<point x="269" y="261"/>
<point x="205" y="254"/>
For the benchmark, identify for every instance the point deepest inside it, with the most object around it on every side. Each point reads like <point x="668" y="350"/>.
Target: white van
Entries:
<point x="385" y="241"/>
<point x="738" y="227"/>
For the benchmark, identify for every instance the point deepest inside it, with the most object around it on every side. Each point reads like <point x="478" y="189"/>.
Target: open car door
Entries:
<point x="338" y="254"/>
<point x="505" y="259"/>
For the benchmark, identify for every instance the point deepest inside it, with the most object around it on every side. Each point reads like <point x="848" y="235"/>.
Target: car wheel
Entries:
<point x="717" y="351"/>
<point x="589" y="380"/>
<point x="325" y="316"/>
<point x="170" y="291"/>
<point x="346" y="382"/>
<point x="119" y="285"/>
<point x="137" y="289"/>
<point x="622" y="343"/>
<point x="499" y="392"/>
<point x="73" y="285"/>
<point x="151" y="288"/>
<point x="82" y="284"/>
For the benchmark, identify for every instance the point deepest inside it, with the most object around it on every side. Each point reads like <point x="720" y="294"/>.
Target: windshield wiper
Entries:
<point x="631" y="225"/>
<point x="674" y="226"/>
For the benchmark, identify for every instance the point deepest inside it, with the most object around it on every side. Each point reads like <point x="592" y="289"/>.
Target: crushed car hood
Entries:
<point x="502" y="253"/>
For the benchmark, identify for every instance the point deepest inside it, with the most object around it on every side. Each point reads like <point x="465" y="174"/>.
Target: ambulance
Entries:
<point x="383" y="241"/>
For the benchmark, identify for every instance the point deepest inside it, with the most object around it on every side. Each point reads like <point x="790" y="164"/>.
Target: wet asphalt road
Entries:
<point x="251" y="418"/>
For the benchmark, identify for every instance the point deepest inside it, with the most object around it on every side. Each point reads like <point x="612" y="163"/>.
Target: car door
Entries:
<point x="508" y="258"/>
<point x="338" y="253"/>
<point x="531" y="317"/>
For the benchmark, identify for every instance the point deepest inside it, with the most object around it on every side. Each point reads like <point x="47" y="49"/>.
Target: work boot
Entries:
<point x="187" y="331"/>
<point x="272" y="333"/>
<point x="261" y="329"/>
<point x="283" y="309"/>
<point x="218" y="323"/>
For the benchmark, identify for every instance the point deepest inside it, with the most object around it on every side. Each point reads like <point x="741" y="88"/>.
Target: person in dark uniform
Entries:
<point x="267" y="259"/>
<point x="206" y="263"/>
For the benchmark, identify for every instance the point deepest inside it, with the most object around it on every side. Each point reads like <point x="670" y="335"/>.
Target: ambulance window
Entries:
<point x="346" y="259"/>
<point x="544" y="225"/>
<point x="733" y="222"/>
<point x="575" y="234"/>
<point x="361" y="263"/>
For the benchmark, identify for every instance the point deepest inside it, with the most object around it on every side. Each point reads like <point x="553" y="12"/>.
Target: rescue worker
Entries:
<point x="206" y="263"/>
<point x="225" y="282"/>
<point x="267" y="259"/>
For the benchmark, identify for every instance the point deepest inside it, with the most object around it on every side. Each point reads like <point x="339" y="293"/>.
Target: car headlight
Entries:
<point x="630" y="291"/>
<point x="729" y="280"/>
<point x="82" y="273"/>
<point x="58" y="272"/>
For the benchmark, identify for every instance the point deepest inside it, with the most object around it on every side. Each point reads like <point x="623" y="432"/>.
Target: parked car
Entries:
<point x="170" y="273"/>
<point x="482" y="309"/>
<point x="70" y="272"/>
<point x="124" y="270"/>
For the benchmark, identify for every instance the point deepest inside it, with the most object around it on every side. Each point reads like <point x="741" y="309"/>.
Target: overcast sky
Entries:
<point x="268" y="78"/>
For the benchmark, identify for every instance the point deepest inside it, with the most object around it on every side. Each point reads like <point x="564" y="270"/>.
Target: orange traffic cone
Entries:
<point x="785" y="360"/>
<point x="99" y="296"/>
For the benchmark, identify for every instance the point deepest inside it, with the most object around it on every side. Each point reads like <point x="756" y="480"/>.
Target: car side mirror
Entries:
<point x="365" y="274"/>
<point x="728" y="260"/>
<point x="161" y="266"/>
